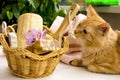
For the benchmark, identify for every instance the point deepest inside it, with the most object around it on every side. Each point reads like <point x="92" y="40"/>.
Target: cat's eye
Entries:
<point x="85" y="31"/>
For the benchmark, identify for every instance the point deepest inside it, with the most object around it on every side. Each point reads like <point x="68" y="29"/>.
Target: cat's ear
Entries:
<point x="104" y="28"/>
<point x="91" y="11"/>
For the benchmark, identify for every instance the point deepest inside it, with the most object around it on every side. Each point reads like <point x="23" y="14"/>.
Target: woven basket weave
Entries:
<point x="24" y="63"/>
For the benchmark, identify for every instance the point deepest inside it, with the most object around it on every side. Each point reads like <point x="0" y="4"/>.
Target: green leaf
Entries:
<point x="9" y="15"/>
<point x="32" y="3"/>
<point x="16" y="12"/>
<point x="62" y="13"/>
<point x="56" y="7"/>
<point x="48" y="9"/>
<point x="56" y="1"/>
<point x="24" y="11"/>
<point x="68" y="3"/>
<point x="21" y="4"/>
<point x="41" y="8"/>
<point x="36" y="2"/>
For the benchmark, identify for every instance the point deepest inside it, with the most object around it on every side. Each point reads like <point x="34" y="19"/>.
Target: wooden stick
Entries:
<point x="70" y="15"/>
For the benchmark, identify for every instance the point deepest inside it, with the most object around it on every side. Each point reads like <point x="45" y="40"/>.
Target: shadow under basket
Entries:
<point x="26" y="64"/>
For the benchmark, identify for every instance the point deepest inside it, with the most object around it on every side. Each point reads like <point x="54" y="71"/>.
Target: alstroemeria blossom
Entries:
<point x="34" y="35"/>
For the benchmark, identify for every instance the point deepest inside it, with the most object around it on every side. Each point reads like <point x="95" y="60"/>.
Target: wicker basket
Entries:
<point x="24" y="63"/>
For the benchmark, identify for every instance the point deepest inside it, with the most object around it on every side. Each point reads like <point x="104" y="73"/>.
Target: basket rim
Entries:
<point x="25" y="53"/>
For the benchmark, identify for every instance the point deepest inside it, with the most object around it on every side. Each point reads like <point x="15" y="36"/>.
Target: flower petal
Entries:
<point x="28" y="36"/>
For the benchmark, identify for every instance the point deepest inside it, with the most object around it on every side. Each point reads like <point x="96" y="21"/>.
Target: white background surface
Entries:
<point x="62" y="72"/>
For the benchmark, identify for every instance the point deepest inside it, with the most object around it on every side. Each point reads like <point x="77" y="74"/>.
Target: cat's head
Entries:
<point x="92" y="30"/>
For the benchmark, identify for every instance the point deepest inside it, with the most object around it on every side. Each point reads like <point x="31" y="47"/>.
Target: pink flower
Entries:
<point x="34" y="35"/>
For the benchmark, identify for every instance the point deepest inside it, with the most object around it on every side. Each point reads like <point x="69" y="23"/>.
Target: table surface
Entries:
<point x="62" y="72"/>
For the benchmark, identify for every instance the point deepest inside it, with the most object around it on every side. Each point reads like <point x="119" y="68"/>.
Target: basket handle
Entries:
<point x="4" y="27"/>
<point x="70" y="15"/>
<point x="50" y="32"/>
<point x="3" y="41"/>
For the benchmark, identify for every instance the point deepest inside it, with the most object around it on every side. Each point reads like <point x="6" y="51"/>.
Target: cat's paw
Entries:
<point x="76" y="62"/>
<point x="92" y="68"/>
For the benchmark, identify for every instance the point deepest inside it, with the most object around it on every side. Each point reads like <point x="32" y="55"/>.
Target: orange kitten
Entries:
<point x="101" y="45"/>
